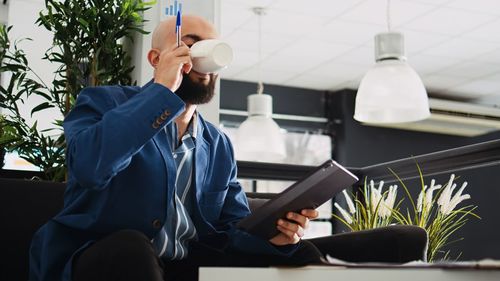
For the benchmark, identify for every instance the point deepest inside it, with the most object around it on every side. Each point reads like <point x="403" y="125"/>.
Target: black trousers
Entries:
<point x="129" y="255"/>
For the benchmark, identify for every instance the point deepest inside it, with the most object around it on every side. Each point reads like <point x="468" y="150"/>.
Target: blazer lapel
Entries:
<point x="160" y="140"/>
<point x="201" y="158"/>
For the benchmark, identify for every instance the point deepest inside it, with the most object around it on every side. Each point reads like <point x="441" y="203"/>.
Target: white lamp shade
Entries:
<point x="391" y="92"/>
<point x="259" y="137"/>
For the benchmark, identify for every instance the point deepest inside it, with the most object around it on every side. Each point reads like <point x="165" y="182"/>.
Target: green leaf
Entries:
<point x="40" y="107"/>
<point x="83" y="22"/>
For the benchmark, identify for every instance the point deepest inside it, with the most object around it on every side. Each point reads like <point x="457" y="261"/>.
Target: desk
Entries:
<point x="332" y="273"/>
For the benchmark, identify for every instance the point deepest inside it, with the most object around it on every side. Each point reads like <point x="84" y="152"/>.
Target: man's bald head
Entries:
<point x="193" y="27"/>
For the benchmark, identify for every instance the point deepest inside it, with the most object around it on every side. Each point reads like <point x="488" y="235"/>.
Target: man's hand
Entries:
<point x="292" y="229"/>
<point x="171" y="64"/>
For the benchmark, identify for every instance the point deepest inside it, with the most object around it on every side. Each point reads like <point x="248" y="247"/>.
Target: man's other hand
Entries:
<point x="292" y="229"/>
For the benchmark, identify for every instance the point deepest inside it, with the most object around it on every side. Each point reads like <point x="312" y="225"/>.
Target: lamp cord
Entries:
<point x="259" y="12"/>
<point x="388" y="16"/>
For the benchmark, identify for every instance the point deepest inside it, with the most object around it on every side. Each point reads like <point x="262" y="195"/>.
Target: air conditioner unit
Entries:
<point x="454" y="118"/>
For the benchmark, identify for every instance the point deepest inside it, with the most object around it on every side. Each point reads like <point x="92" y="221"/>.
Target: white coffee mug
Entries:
<point x="211" y="55"/>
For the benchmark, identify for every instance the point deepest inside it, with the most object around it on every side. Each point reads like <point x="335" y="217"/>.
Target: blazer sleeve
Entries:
<point x="105" y="129"/>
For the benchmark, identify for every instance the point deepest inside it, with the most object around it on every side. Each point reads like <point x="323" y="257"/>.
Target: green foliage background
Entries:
<point x="88" y="46"/>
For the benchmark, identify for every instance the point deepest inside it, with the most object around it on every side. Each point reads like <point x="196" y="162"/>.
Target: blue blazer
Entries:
<point x="122" y="174"/>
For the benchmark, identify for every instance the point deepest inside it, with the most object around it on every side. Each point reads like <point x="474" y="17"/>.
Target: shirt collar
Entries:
<point x="192" y="129"/>
<point x="193" y="125"/>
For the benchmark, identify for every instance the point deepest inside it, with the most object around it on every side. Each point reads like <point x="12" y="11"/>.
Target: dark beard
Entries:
<point x="192" y="92"/>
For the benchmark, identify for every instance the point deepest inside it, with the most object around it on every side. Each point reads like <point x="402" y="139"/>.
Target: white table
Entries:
<point x="332" y="273"/>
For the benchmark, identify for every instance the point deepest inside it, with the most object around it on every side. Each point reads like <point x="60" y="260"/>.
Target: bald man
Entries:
<point x="152" y="191"/>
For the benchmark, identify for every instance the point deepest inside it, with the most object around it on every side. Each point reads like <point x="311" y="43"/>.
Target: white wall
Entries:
<point x="22" y="15"/>
<point x="3" y="13"/>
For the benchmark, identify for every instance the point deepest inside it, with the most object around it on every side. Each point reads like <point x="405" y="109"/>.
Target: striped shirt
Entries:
<point x="172" y="240"/>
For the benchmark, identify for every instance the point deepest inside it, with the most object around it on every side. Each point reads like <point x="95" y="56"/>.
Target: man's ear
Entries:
<point x="154" y="57"/>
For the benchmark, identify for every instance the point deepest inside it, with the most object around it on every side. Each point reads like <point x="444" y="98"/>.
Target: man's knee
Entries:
<point x="307" y="253"/>
<point x="124" y="253"/>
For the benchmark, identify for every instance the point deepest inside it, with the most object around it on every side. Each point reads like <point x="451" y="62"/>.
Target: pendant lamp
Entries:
<point x="259" y="138"/>
<point x="391" y="92"/>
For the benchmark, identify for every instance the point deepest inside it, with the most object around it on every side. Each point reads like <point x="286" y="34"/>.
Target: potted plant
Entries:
<point x="436" y="210"/>
<point x="88" y="48"/>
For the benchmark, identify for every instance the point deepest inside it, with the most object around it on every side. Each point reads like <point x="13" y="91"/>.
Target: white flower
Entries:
<point x="386" y="206"/>
<point x="448" y="203"/>
<point x="350" y="204"/>
<point x="424" y="201"/>
<point x="429" y="195"/>
<point x="344" y="213"/>
<point x="375" y="195"/>
<point x="446" y="194"/>
<point x="420" y="199"/>
<point x="446" y="209"/>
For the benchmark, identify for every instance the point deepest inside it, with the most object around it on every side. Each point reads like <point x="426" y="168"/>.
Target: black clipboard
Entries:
<point x="319" y="186"/>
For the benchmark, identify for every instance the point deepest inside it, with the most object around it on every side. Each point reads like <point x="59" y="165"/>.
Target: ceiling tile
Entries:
<point x="325" y="8"/>
<point x="471" y="69"/>
<point x="416" y="41"/>
<point x="461" y="48"/>
<point x="448" y="21"/>
<point x="316" y="82"/>
<point x="270" y="77"/>
<point x="375" y="12"/>
<point x="249" y="41"/>
<point x="476" y="88"/>
<point x="287" y="62"/>
<point x="319" y="51"/>
<point x="234" y="14"/>
<point x="434" y="2"/>
<point x="231" y="71"/>
<point x="339" y="71"/>
<point x="437" y="82"/>
<point x="341" y="31"/>
<point x="363" y="56"/>
<point x="244" y="58"/>
<point x="424" y="64"/>
<point x="281" y="22"/>
<point x="492" y="77"/>
<point x="485" y="6"/>
<point x="486" y="32"/>
<point x="491" y="57"/>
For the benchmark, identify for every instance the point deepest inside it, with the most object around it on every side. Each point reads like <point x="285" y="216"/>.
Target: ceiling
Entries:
<point x="454" y="45"/>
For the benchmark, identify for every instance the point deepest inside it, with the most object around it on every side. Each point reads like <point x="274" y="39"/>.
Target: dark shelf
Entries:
<point x="441" y="162"/>
<point x="272" y="171"/>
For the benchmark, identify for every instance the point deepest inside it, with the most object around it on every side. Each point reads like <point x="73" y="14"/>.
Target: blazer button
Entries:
<point x="157" y="224"/>
<point x="165" y="115"/>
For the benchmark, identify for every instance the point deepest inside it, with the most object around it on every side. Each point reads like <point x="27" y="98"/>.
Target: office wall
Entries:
<point x="22" y="15"/>
<point x="358" y="146"/>
<point x="4" y="12"/>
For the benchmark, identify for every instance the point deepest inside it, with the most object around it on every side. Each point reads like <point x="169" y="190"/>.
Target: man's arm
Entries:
<point x="103" y="135"/>
<point x="104" y="132"/>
